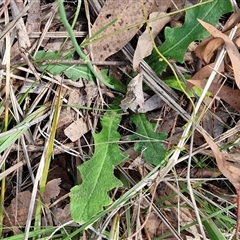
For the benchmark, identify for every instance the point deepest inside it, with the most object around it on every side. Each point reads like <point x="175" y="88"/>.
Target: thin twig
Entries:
<point x="4" y="7"/>
<point x="101" y="63"/>
<point x="15" y="20"/>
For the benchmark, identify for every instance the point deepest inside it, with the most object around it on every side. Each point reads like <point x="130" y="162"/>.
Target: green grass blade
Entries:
<point x="48" y="158"/>
<point x="9" y="137"/>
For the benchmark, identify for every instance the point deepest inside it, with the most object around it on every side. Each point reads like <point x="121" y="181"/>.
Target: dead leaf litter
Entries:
<point x="39" y="66"/>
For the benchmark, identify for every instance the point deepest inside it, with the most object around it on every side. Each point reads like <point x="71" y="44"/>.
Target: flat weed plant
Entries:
<point x="91" y="199"/>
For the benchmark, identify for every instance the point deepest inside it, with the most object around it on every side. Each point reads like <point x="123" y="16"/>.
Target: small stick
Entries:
<point x="25" y="57"/>
<point x="102" y="63"/>
<point x="4" y="7"/>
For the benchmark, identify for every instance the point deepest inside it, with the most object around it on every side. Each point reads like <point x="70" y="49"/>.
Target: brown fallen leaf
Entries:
<point x="230" y="47"/>
<point x="129" y="18"/>
<point x="231" y="172"/>
<point x="61" y="216"/>
<point x="52" y="190"/>
<point x="229" y="95"/>
<point x="16" y="213"/>
<point x="206" y="49"/>
<point x="76" y="130"/>
<point x="199" y="172"/>
<point x="152" y="225"/>
<point x="205" y="72"/>
<point x="145" y="45"/>
<point x="232" y="21"/>
<point x="134" y="96"/>
<point x="67" y="116"/>
<point x="209" y="48"/>
<point x="232" y="157"/>
<point x="137" y="100"/>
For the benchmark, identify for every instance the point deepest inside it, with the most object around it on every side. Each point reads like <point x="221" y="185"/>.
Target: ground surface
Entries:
<point x="104" y="120"/>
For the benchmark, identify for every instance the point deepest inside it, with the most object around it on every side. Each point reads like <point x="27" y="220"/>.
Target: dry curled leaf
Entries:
<point x="231" y="172"/>
<point x="157" y="20"/>
<point x="134" y="96"/>
<point x="230" y="47"/>
<point x="76" y="130"/>
<point x="67" y="116"/>
<point x="145" y="45"/>
<point x="16" y="213"/>
<point x="152" y="225"/>
<point x="52" y="190"/>
<point x="208" y="47"/>
<point x="229" y="95"/>
<point x="137" y="100"/>
<point x="232" y="21"/>
<point x="205" y="72"/>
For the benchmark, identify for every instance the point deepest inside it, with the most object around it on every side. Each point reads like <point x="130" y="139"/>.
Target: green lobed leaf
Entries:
<point x="54" y="69"/>
<point x="73" y="72"/>
<point x="78" y="71"/>
<point x="179" y="38"/>
<point x="89" y="198"/>
<point x="111" y="80"/>
<point x="152" y="150"/>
